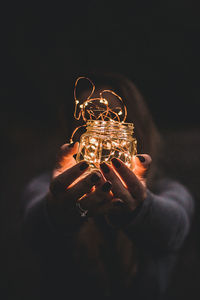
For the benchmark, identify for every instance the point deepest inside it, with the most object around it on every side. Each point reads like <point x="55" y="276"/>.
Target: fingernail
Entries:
<point x="105" y="168"/>
<point x="71" y="145"/>
<point x="107" y="186"/>
<point x="116" y="163"/>
<point x="141" y="158"/>
<point x="95" y="177"/>
<point x="83" y="166"/>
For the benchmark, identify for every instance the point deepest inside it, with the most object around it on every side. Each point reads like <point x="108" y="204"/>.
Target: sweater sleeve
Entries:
<point x="38" y="229"/>
<point x="163" y="220"/>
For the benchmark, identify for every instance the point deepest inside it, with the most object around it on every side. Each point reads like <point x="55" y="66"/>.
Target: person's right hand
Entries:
<point x="67" y="187"/>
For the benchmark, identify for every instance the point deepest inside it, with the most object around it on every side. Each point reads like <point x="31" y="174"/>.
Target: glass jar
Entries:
<point x="104" y="140"/>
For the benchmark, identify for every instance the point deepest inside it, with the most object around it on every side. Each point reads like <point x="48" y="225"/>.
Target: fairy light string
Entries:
<point x="107" y="113"/>
<point x="97" y="109"/>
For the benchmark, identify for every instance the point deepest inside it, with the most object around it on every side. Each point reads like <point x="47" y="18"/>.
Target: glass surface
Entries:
<point x="104" y="140"/>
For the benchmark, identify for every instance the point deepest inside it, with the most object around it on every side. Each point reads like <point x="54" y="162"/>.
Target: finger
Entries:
<point x="65" y="159"/>
<point x="118" y="188"/>
<point x="133" y="184"/>
<point x="62" y="181"/>
<point x="65" y="154"/>
<point x="118" y="214"/>
<point x="118" y="206"/>
<point x="141" y="164"/>
<point x="84" y="185"/>
<point x="97" y="201"/>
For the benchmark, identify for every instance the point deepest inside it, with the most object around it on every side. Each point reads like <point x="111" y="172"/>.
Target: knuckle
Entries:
<point x="99" y="199"/>
<point x="63" y="147"/>
<point x="87" y="183"/>
<point x="56" y="187"/>
<point x="149" y="159"/>
<point x="138" y="190"/>
<point x="124" y="195"/>
<point x="144" y="195"/>
<point x="60" y="151"/>
<point x="63" y="150"/>
<point x="141" y="194"/>
<point x="97" y="174"/>
<point x="69" y="194"/>
<point x="84" y="203"/>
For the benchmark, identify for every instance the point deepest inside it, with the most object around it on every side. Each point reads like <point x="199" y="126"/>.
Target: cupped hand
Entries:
<point x="118" y="189"/>
<point x="128" y="185"/>
<point x="71" y="183"/>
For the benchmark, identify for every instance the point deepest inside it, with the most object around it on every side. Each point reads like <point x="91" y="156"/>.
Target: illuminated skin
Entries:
<point x="65" y="189"/>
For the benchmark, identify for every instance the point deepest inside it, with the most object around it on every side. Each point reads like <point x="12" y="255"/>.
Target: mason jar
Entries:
<point x="104" y="140"/>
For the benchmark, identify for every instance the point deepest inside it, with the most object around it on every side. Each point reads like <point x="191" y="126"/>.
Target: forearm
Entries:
<point x="40" y="232"/>
<point x="162" y="222"/>
<point x="38" y="229"/>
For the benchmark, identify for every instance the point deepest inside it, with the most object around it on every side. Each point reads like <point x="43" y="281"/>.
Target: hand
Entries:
<point x="68" y="186"/>
<point x="65" y="158"/>
<point x="128" y="185"/>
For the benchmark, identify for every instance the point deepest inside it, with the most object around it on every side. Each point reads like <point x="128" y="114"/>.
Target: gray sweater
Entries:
<point x="98" y="261"/>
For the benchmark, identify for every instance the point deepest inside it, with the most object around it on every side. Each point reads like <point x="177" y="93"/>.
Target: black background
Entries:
<point x="155" y="43"/>
<point x="44" y="48"/>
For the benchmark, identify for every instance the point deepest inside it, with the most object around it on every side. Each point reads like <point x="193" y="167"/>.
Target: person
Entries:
<point x="126" y="244"/>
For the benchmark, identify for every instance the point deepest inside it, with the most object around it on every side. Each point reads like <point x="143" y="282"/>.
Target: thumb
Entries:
<point x="140" y="165"/>
<point x="67" y="150"/>
<point x="64" y="158"/>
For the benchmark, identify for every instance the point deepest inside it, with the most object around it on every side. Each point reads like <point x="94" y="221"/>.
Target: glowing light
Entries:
<point x="97" y="112"/>
<point x="107" y="134"/>
<point x="93" y="141"/>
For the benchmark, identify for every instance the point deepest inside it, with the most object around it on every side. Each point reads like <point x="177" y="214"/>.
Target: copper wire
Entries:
<point x="107" y="114"/>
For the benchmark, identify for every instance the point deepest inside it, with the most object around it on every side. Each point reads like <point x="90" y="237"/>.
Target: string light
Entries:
<point x="107" y="133"/>
<point x="104" y="113"/>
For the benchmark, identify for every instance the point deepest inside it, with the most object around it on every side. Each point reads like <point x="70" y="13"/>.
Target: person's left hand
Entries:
<point x="128" y="185"/>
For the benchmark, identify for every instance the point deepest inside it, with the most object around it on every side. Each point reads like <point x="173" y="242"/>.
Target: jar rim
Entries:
<point x="115" y="123"/>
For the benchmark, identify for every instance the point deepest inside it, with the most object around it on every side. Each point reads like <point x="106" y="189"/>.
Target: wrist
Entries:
<point x="61" y="221"/>
<point x="121" y="220"/>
